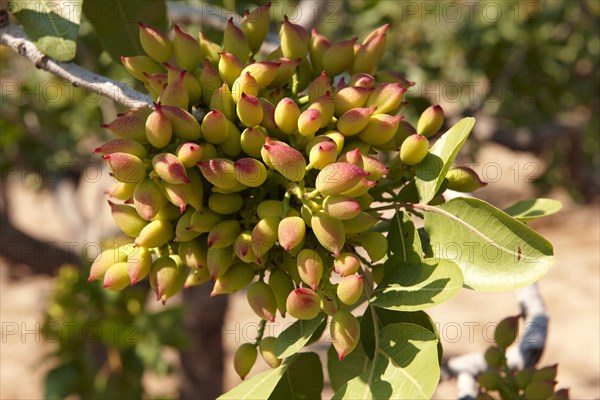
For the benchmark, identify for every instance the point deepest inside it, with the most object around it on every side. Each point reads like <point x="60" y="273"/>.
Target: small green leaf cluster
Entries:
<point x="103" y="325"/>
<point x="261" y="172"/>
<point x="527" y="384"/>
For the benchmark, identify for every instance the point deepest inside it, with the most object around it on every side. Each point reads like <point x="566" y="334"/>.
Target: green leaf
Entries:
<point x="404" y="242"/>
<point x="405" y="366"/>
<point x="387" y="317"/>
<point x="294" y="337"/>
<point x="351" y="366"/>
<point x="303" y="379"/>
<point x="116" y="23"/>
<point x="258" y="387"/>
<point x="408" y="193"/>
<point x="494" y="251"/>
<point x="52" y="25"/>
<point x="416" y="287"/>
<point x="432" y="170"/>
<point x="529" y="209"/>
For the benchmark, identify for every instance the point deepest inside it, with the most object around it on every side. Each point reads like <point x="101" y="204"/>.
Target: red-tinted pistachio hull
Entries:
<point x="243" y="247"/>
<point x="294" y="40"/>
<point x="288" y="161"/>
<point x="252" y="141"/>
<point x="148" y="199"/>
<point x="175" y="93"/>
<point x="262" y="300"/>
<point x="126" y="167"/>
<point x="155" y="43"/>
<point x="350" y="289"/>
<point x="224" y="234"/>
<point x="339" y="57"/>
<point x="355" y="120"/>
<point x="214" y="127"/>
<point x="317" y="48"/>
<point x="329" y="231"/>
<point x="310" y="267"/>
<point x="184" y="124"/>
<point x="255" y="26"/>
<point x="116" y="277"/>
<point x="362" y="80"/>
<point x="136" y="66"/>
<point x="349" y="98"/>
<point x="249" y="110"/>
<point x="138" y="264"/>
<point x="264" y="235"/>
<point x="155" y="234"/>
<point x="130" y="125"/>
<point x="303" y="303"/>
<point x="346" y="264"/>
<point x="235" y="41"/>
<point x="237" y="277"/>
<point x="218" y="260"/>
<point x="250" y="172"/>
<point x="341" y="207"/>
<point x="414" y="149"/>
<point x="107" y="258"/>
<point x="122" y="146"/>
<point x="345" y="333"/>
<point x="193" y="253"/>
<point x="162" y="275"/>
<point x="168" y="167"/>
<point x="380" y="129"/>
<point x="159" y="130"/>
<point x="430" y="121"/>
<point x="127" y="219"/>
<point x="287" y="113"/>
<point x="290" y="232"/>
<point x="338" y="177"/>
<point x="464" y="179"/>
<point x="186" y="49"/>
<point x="309" y="122"/>
<point x="220" y="172"/>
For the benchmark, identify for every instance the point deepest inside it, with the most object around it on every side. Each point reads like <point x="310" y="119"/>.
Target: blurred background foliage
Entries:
<point x="531" y="68"/>
<point x="106" y="340"/>
<point x="528" y="70"/>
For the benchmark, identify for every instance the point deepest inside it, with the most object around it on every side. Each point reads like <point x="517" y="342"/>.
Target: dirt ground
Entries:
<point x="571" y="291"/>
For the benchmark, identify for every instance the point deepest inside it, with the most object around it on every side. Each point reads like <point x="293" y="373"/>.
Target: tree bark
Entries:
<point x="202" y="362"/>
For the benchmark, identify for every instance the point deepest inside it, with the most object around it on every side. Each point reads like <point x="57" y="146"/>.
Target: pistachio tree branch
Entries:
<point x="212" y="16"/>
<point x="14" y="37"/>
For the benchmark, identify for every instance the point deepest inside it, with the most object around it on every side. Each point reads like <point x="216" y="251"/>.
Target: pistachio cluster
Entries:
<point x="256" y="173"/>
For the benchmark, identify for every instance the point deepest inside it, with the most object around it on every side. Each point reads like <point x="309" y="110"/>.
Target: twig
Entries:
<point x="14" y="37"/>
<point x="207" y="15"/>
<point x="533" y="342"/>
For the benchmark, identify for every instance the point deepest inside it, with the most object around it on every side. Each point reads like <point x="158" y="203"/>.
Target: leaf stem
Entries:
<point x="395" y="206"/>
<point x="261" y="332"/>
<point x="368" y="288"/>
